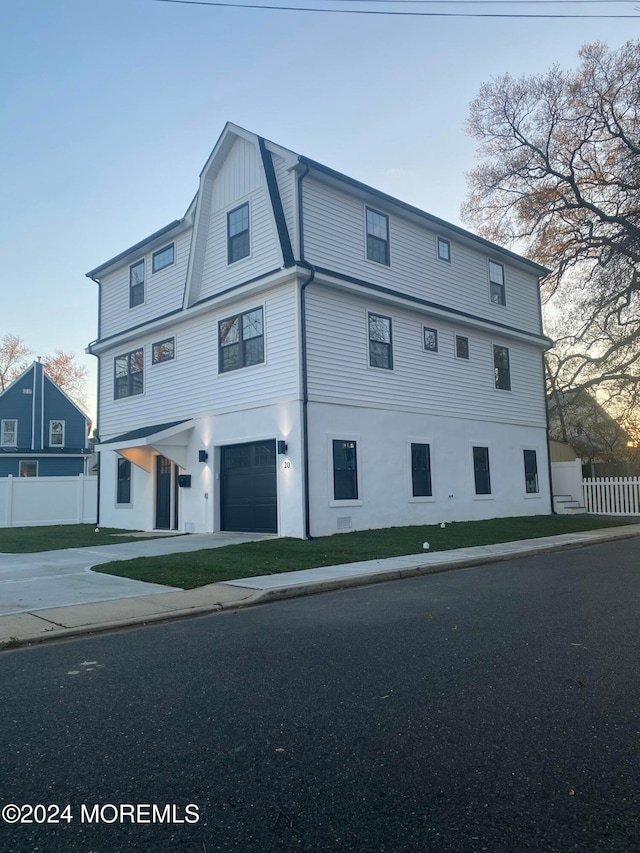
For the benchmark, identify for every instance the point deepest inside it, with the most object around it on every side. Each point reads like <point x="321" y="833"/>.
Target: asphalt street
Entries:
<point x="489" y="709"/>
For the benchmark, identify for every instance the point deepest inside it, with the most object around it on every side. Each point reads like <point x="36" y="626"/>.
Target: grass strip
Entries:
<point x="30" y="540"/>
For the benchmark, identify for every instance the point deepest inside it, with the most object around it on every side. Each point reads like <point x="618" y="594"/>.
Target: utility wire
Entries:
<point x="219" y="3"/>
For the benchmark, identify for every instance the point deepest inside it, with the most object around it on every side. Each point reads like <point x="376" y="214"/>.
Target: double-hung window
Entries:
<point x="9" y="433"/>
<point x="238" y="233"/>
<point x="241" y="340"/>
<point x="421" y="470"/>
<point x="501" y="369"/>
<point x="56" y="433"/>
<point x="496" y="283"/>
<point x="380" y="344"/>
<point x="136" y="284"/>
<point x="377" y="237"/>
<point x="531" y="472"/>
<point x="481" y="474"/>
<point x="163" y="258"/>
<point x="128" y="374"/>
<point x="345" y="470"/>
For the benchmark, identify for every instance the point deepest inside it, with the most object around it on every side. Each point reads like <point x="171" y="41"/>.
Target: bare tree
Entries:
<point x="71" y="377"/>
<point x="560" y="182"/>
<point x="14" y="355"/>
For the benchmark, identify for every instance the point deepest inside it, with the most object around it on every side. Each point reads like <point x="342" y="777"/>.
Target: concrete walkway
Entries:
<point x="137" y="603"/>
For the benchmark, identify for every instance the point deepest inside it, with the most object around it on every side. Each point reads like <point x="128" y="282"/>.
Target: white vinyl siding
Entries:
<point x="338" y="347"/>
<point x="334" y="240"/>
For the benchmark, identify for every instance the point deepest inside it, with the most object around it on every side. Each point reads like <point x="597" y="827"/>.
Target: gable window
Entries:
<point x="421" y="470"/>
<point x="241" y="341"/>
<point x="430" y="339"/>
<point x="501" y="369"/>
<point x="496" y="283"/>
<point x="163" y="350"/>
<point x="531" y="472"/>
<point x="481" y="470"/>
<point x="377" y="237"/>
<point x="9" y="433"/>
<point x="136" y="284"/>
<point x="128" y="374"/>
<point x="29" y="469"/>
<point x="345" y="470"/>
<point x="380" y="347"/>
<point x="238" y="233"/>
<point x="123" y="488"/>
<point x="462" y="347"/>
<point x="444" y="250"/>
<point x="56" y="433"/>
<point x="162" y="258"/>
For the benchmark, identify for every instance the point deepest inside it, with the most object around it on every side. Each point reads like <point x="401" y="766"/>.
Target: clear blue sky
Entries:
<point x="109" y="109"/>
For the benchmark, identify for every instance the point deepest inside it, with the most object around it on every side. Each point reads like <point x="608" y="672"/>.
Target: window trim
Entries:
<point x="128" y="355"/>
<point x="3" y="442"/>
<point x="344" y="502"/>
<point x="426" y="348"/>
<point x="537" y="493"/>
<point x="443" y="241"/>
<point x="466" y="357"/>
<point x="497" y="286"/>
<point x="155" y="344"/>
<point x="134" y="301"/>
<point x="496" y="374"/>
<point x="154" y="268"/>
<point x="246" y="231"/>
<point x="387" y="241"/>
<point x="239" y="317"/>
<point x="28" y="462"/>
<point x="411" y="440"/>
<point x="51" y="423"/>
<point x="371" y="314"/>
<point x="129" y="479"/>
<point x="481" y="496"/>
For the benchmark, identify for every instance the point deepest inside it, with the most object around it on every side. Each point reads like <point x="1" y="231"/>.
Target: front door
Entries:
<point x="164" y="469"/>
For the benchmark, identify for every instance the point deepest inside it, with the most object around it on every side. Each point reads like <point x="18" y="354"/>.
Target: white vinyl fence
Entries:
<point x="34" y="501"/>
<point x="612" y="495"/>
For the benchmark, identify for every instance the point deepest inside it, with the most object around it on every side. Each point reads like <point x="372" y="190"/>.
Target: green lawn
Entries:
<point x="272" y="556"/>
<point x="28" y="540"/>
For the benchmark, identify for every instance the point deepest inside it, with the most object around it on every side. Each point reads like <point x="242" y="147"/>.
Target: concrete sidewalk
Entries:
<point x="165" y="603"/>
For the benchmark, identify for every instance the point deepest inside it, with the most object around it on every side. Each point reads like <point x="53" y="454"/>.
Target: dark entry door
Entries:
<point x="163" y="493"/>
<point x="248" y="482"/>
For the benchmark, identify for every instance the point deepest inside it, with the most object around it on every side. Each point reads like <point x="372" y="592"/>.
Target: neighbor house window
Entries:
<point x="501" y="369"/>
<point x="377" y="237"/>
<point x="380" y="347"/>
<point x="430" y="339"/>
<point x="421" y="470"/>
<point x="128" y="374"/>
<point x="444" y="249"/>
<point x="345" y="470"/>
<point x="238" y="233"/>
<point x="162" y="258"/>
<point x="241" y="340"/>
<point x="9" y="433"/>
<point x="123" y="491"/>
<point x="462" y="347"/>
<point x="496" y="283"/>
<point x="481" y="470"/>
<point x="29" y="469"/>
<point x="531" y="472"/>
<point x="136" y="284"/>
<point x="56" y="433"/>
<point x="163" y="350"/>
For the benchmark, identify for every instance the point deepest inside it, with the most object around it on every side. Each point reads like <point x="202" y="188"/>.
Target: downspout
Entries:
<point x="303" y="347"/>
<point x="89" y="350"/>
<point x="546" y="411"/>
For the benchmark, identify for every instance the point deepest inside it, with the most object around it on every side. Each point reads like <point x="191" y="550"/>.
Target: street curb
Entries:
<point x="312" y="588"/>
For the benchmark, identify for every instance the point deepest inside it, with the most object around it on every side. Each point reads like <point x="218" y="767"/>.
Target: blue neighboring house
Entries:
<point x="42" y="431"/>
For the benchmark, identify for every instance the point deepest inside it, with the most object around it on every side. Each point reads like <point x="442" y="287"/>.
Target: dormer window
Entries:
<point x="238" y="234"/>
<point x="136" y="284"/>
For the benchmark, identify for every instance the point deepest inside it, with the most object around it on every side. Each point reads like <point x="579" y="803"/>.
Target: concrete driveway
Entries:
<point x="38" y="581"/>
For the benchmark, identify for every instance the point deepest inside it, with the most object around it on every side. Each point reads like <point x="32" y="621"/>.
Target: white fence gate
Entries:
<point x="612" y="495"/>
<point x="33" y="501"/>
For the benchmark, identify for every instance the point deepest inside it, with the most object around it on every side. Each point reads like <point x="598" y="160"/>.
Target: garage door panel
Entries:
<point x="248" y="487"/>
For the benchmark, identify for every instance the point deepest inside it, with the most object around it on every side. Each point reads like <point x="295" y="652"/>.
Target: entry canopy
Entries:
<point x="139" y="446"/>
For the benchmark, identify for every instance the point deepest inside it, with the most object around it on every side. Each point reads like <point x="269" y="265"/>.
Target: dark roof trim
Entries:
<point x="276" y="204"/>
<point x="143" y="432"/>
<point x="135" y="328"/>
<point x="543" y="339"/>
<point x="135" y="248"/>
<point x="231" y="289"/>
<point x="416" y="211"/>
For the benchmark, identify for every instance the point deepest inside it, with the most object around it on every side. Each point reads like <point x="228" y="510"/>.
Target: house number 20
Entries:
<point x="287" y="464"/>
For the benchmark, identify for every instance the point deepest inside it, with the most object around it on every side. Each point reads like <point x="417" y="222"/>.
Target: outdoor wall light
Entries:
<point x="202" y="456"/>
<point x="282" y="448"/>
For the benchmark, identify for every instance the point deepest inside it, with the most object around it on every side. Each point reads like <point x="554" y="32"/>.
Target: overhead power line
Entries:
<point x="324" y="10"/>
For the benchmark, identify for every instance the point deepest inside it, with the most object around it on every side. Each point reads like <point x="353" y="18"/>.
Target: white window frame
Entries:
<point x="27" y="462"/>
<point x="3" y="432"/>
<point x="344" y="436"/>
<point x="51" y="442"/>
